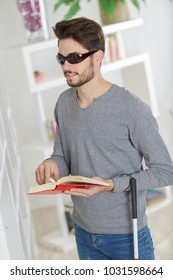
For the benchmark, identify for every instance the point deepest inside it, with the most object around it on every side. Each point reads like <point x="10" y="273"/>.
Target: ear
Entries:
<point x="99" y="56"/>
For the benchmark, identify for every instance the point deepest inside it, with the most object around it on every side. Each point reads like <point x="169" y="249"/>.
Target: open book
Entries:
<point x="66" y="183"/>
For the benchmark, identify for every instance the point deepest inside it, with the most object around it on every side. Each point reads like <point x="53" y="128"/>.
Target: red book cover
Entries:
<point x="64" y="184"/>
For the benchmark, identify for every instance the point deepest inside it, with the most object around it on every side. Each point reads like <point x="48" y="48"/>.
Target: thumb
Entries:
<point x="55" y="174"/>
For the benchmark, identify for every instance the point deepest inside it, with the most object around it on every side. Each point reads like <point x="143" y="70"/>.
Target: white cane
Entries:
<point x="134" y="216"/>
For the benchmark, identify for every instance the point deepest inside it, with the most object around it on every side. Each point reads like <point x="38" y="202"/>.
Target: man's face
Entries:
<point x="80" y="73"/>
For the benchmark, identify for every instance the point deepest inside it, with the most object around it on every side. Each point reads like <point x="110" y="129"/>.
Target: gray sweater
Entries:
<point x="109" y="139"/>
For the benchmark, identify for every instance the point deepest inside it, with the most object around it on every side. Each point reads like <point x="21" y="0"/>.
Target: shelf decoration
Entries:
<point x="112" y="48"/>
<point x="111" y="11"/>
<point x="51" y="129"/>
<point x="154" y="197"/>
<point x="116" y="12"/>
<point x="33" y="13"/>
<point x="38" y="76"/>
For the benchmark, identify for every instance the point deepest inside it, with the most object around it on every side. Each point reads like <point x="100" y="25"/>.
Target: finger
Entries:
<point x="75" y="193"/>
<point x="47" y="173"/>
<point x="55" y="174"/>
<point x="37" y="176"/>
<point x="40" y="175"/>
<point x="82" y="192"/>
<point x="66" y="192"/>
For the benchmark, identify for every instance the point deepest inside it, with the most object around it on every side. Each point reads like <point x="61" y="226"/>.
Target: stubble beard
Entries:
<point x="84" y="78"/>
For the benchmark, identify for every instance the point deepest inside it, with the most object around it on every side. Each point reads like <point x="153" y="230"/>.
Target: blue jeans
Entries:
<point x="93" y="246"/>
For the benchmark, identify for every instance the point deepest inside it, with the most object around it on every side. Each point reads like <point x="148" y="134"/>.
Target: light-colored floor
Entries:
<point x="160" y="223"/>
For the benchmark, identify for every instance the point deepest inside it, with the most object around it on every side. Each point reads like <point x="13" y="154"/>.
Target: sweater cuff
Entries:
<point x="62" y="166"/>
<point x="121" y="183"/>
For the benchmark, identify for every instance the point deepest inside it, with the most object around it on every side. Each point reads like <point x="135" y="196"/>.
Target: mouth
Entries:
<point x="69" y="74"/>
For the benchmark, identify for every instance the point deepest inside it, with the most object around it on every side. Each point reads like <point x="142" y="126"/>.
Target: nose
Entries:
<point x="66" y="66"/>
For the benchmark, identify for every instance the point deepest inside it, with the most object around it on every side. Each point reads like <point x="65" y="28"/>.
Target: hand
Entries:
<point x="47" y="169"/>
<point x="92" y="190"/>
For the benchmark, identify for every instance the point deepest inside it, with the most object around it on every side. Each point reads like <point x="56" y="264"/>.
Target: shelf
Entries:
<point x="128" y="61"/>
<point x="16" y="174"/>
<point x="53" y="82"/>
<point x="56" y="241"/>
<point x="2" y="133"/>
<point x="13" y="200"/>
<point x="3" y="149"/>
<point x="9" y="113"/>
<point x="108" y="29"/>
<point x="2" y="164"/>
<point x="48" y="83"/>
<point x="44" y="45"/>
<point x="38" y="52"/>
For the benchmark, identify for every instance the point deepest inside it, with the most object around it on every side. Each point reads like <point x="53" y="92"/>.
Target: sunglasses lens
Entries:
<point x="60" y="59"/>
<point x="75" y="58"/>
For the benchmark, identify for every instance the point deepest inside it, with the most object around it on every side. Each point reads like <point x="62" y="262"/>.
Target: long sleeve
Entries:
<point x="58" y="153"/>
<point x="146" y="139"/>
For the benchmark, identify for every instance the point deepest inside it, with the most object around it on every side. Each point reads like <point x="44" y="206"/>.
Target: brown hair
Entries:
<point x="85" y="31"/>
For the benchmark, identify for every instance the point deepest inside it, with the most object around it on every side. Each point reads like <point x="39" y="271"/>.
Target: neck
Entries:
<point x="91" y="90"/>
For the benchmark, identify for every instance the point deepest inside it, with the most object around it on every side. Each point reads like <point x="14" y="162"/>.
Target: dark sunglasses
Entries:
<point x="73" y="58"/>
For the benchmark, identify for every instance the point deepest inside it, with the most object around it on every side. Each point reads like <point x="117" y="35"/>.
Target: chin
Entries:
<point x="71" y="84"/>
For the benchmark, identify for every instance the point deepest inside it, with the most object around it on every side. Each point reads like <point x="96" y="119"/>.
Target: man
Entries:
<point x="103" y="131"/>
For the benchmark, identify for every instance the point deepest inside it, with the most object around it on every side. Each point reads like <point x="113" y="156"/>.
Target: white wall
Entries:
<point x="155" y="37"/>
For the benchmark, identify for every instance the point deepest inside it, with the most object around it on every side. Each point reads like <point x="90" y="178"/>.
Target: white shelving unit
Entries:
<point x="136" y="76"/>
<point x="16" y="230"/>
<point x="54" y="78"/>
